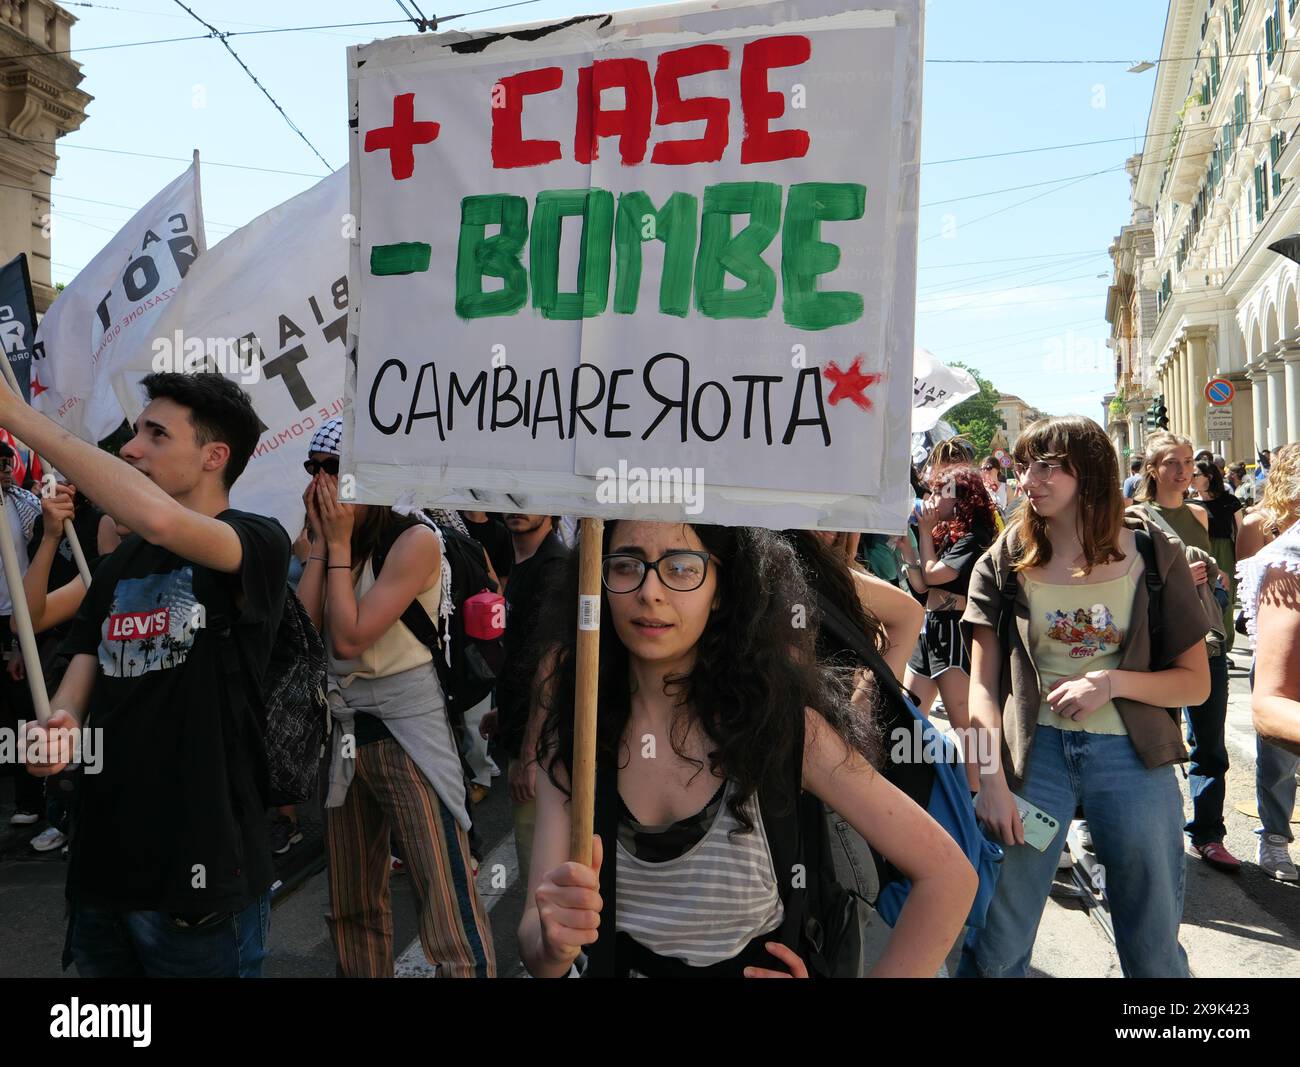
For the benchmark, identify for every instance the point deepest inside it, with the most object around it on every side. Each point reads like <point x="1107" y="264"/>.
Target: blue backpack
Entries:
<point x="932" y="775"/>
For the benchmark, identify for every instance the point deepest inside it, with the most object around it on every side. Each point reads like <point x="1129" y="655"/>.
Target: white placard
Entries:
<point x="659" y="263"/>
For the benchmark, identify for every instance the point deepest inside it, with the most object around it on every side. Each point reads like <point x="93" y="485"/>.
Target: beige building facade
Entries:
<point x="1216" y="176"/>
<point x="39" y="102"/>
<point x="1015" y="415"/>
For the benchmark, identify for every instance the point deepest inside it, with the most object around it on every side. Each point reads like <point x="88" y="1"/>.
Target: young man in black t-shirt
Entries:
<point x="538" y="564"/>
<point x="169" y="870"/>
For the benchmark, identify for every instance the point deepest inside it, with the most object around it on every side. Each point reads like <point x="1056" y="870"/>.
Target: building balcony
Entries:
<point x="42" y="21"/>
<point x="1193" y="144"/>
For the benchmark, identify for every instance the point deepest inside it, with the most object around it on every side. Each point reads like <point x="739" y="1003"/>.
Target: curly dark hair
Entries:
<point x="975" y="512"/>
<point x="828" y="572"/>
<point x="755" y="671"/>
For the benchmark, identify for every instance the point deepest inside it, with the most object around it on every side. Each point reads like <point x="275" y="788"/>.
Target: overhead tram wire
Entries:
<point x="253" y="33"/>
<point x="149" y="155"/>
<point x="1043" y="330"/>
<point x="1088" y="62"/>
<point x="221" y="36"/>
<point x="1020" y="203"/>
<point x="1007" y="259"/>
<point x="523" y="3"/>
<point x="421" y="23"/>
<point x="1014" y="188"/>
<point x="953" y="285"/>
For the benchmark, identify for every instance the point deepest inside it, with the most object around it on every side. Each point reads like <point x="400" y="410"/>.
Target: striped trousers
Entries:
<point x="389" y="794"/>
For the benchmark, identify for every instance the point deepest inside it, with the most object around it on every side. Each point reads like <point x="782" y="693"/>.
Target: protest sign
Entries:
<point x="18" y="319"/>
<point x="936" y="388"/>
<point x="111" y="305"/>
<point x="674" y="244"/>
<point x="266" y="307"/>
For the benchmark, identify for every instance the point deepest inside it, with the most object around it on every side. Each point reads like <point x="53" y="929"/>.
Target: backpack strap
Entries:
<point x="1155" y="588"/>
<point x="1007" y="595"/>
<point x="414" y="618"/>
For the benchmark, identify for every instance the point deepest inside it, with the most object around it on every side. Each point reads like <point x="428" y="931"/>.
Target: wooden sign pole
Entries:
<point x="69" y="531"/>
<point x="22" y="617"/>
<point x="582" y="801"/>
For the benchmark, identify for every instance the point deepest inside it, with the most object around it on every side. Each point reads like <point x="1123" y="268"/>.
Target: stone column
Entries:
<point x="1198" y="373"/>
<point x="1171" y="389"/>
<point x="1291" y="385"/>
<point x="1182" y="423"/>
<point x="1276" y="433"/>
<point x="1259" y="407"/>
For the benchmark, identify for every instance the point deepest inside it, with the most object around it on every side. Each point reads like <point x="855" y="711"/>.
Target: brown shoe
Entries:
<point x="1219" y="857"/>
<point x="477" y="792"/>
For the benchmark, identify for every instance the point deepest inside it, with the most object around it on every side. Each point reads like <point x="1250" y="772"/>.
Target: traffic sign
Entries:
<point x="1219" y="391"/>
<point x="1218" y="423"/>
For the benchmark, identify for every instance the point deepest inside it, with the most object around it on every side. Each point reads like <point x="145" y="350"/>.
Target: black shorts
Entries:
<point x="940" y="646"/>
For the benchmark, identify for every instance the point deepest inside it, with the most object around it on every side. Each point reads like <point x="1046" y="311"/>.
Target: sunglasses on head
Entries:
<point x="329" y="466"/>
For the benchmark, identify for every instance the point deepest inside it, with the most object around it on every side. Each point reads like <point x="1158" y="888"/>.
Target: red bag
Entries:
<point x="485" y="615"/>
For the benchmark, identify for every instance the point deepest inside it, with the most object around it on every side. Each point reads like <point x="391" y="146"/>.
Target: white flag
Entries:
<point x="268" y="308"/>
<point x="109" y="309"/>
<point x="935" y="389"/>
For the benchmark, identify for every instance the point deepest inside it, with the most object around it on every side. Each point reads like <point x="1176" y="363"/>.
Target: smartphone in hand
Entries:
<point x="1040" y="828"/>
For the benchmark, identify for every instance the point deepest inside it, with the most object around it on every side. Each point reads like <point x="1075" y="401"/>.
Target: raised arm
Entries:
<point x="124" y="492"/>
<point x="414" y="562"/>
<point x="943" y="881"/>
<point x="59" y="606"/>
<point x="311" y="586"/>
<point x="901" y="616"/>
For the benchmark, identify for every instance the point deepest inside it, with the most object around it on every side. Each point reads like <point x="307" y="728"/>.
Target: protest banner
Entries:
<point x="565" y="279"/>
<point x="110" y="305"/>
<point x="936" y="388"/>
<point x="266" y="307"/>
<point x="18" y="319"/>
<point x="676" y="239"/>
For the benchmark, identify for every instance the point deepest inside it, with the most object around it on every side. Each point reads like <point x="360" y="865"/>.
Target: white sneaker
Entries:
<point x="48" y="839"/>
<point x="1085" y="836"/>
<point x="1274" y="859"/>
<point x="24" y="818"/>
<point x="1066" y="861"/>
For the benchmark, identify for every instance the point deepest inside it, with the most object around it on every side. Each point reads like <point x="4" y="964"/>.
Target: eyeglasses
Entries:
<point x="1040" y="469"/>
<point x="329" y="466"/>
<point x="680" y="571"/>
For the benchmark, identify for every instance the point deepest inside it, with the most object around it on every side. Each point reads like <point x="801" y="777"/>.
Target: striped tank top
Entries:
<point x="707" y="904"/>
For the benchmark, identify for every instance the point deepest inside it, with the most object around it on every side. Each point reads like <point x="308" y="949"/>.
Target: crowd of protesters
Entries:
<point x="1076" y="622"/>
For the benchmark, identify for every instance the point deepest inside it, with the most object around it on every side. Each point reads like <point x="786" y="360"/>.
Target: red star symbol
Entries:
<point x="37" y="387"/>
<point x="850" y="384"/>
<point x="402" y="136"/>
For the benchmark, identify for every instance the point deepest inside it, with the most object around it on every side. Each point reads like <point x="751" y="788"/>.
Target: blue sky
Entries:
<point x="1016" y="295"/>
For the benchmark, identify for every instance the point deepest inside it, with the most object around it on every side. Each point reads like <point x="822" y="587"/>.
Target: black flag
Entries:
<point x="1288" y="246"/>
<point x="18" y="320"/>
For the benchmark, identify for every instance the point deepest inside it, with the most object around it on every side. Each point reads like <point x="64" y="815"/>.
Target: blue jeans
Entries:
<point x="1134" y="815"/>
<point x="1208" y="772"/>
<point x="151" y="944"/>
<point x="1275" y="787"/>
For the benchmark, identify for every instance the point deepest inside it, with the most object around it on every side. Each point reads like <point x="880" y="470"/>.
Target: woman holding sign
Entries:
<point x="715" y="721"/>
